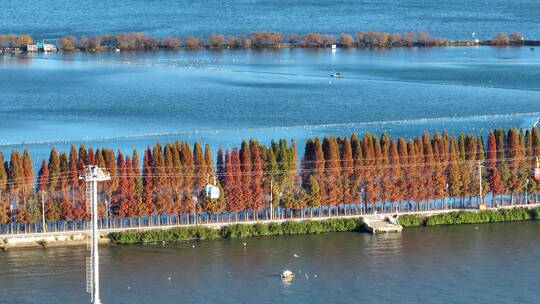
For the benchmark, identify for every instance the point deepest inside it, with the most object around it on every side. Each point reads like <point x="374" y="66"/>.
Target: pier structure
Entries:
<point x="381" y="223"/>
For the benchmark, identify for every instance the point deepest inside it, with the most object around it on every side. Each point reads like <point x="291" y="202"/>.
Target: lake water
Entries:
<point x="130" y="100"/>
<point x="494" y="263"/>
<point x="455" y="19"/>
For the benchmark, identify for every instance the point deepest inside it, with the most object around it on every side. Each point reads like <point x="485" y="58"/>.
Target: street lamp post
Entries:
<point x="43" y="228"/>
<point x="11" y="217"/>
<point x="108" y="206"/>
<point x="527" y="191"/>
<point x="271" y="199"/>
<point x="445" y="206"/>
<point x="363" y="200"/>
<point x="92" y="176"/>
<point x="362" y="206"/>
<point x="480" y="190"/>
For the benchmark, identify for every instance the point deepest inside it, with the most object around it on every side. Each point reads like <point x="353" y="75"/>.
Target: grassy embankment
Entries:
<point x="468" y="217"/>
<point x="236" y="231"/>
<point x="314" y="227"/>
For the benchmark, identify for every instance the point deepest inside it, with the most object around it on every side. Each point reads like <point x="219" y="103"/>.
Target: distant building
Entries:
<point x="30" y="48"/>
<point x="47" y="46"/>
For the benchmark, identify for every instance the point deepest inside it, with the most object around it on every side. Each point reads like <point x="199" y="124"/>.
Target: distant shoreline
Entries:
<point x="10" y="43"/>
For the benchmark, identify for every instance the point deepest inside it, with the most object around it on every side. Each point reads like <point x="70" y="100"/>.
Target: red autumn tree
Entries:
<point x="122" y="195"/>
<point x="147" y="203"/>
<point x="357" y="183"/>
<point x="54" y="170"/>
<point x="245" y="174"/>
<point x="233" y="192"/>
<point x="347" y="170"/>
<point x="91" y="160"/>
<point x="332" y="171"/>
<point x="220" y="167"/>
<point x="131" y="187"/>
<point x="28" y="174"/>
<point x="43" y="177"/>
<point x="256" y="201"/>
<point x="66" y="209"/>
<point x="200" y="171"/>
<point x="394" y="177"/>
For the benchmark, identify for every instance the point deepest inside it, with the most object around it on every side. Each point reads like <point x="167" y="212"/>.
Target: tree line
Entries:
<point x="332" y="171"/>
<point x="262" y="39"/>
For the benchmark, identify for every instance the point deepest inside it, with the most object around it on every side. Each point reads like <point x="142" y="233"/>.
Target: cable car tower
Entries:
<point x="92" y="176"/>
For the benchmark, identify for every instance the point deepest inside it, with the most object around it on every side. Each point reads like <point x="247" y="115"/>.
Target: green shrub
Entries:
<point x="261" y="230"/>
<point x="409" y="221"/>
<point x="480" y="217"/>
<point x="236" y="231"/>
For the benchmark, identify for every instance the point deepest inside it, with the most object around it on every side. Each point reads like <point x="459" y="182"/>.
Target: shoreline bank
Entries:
<point x="296" y="226"/>
<point x="463" y="217"/>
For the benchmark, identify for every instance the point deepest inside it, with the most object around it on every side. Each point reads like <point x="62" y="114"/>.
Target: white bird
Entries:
<point x="245" y="244"/>
<point x="129" y="288"/>
<point x="169" y="278"/>
<point x="192" y="246"/>
<point x="296" y="255"/>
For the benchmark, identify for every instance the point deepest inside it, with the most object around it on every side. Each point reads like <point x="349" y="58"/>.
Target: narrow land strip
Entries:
<point x="193" y="231"/>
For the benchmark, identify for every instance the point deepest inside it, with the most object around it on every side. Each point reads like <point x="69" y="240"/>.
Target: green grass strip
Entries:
<point x="468" y="217"/>
<point x="236" y="231"/>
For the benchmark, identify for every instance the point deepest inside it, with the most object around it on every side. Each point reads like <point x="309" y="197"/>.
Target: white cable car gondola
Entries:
<point x="212" y="191"/>
<point x="536" y="170"/>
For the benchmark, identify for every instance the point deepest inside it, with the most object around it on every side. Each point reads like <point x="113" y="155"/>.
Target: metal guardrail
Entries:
<point x="281" y="218"/>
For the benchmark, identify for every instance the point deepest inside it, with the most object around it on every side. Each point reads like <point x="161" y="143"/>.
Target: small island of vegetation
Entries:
<point x="135" y="41"/>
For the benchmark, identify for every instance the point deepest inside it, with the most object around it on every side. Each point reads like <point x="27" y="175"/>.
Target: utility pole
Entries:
<point x="271" y="200"/>
<point x="481" y="203"/>
<point x="43" y="211"/>
<point x="92" y="176"/>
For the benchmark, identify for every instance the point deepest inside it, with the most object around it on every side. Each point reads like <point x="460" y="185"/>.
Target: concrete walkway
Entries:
<point x="61" y="238"/>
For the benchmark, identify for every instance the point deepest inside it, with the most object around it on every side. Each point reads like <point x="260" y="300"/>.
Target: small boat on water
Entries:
<point x="287" y="275"/>
<point x="337" y="75"/>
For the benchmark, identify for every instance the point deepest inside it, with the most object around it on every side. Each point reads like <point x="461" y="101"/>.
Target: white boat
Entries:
<point x="337" y="75"/>
<point x="287" y="275"/>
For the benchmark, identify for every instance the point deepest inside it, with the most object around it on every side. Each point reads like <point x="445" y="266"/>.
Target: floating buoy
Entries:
<point x="287" y="275"/>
